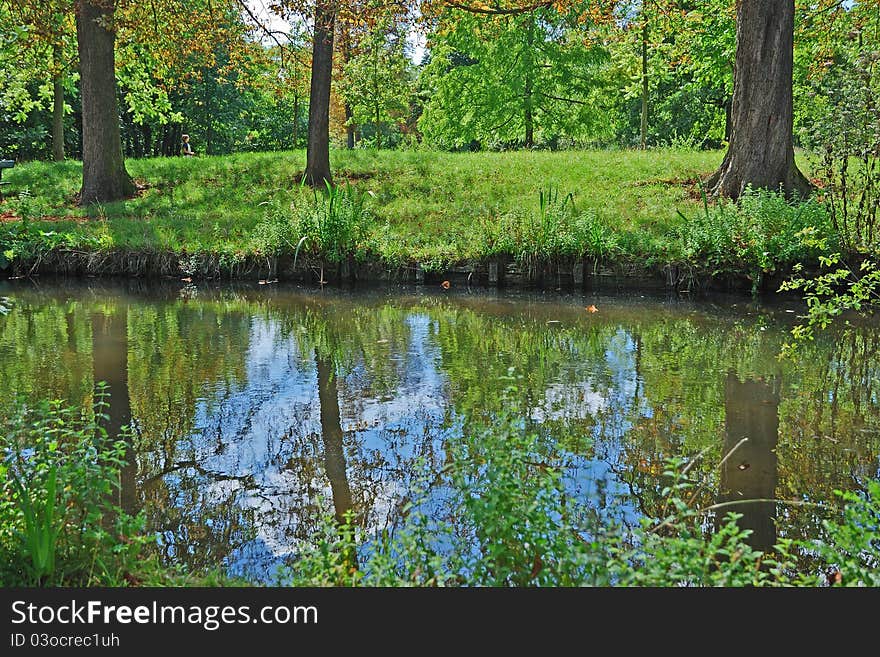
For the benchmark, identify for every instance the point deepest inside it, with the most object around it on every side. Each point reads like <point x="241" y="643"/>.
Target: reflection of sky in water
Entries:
<point x="617" y="391"/>
<point x="244" y="445"/>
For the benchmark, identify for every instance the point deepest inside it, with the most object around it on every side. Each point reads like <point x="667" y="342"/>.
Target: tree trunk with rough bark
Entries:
<point x="104" y="174"/>
<point x="317" y="172"/>
<point x="761" y="153"/>
<point x="57" y="107"/>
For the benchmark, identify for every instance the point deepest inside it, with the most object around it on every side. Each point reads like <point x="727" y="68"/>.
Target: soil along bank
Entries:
<point x="499" y="271"/>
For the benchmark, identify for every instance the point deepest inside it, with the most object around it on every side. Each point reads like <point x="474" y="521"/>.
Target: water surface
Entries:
<point x="256" y="409"/>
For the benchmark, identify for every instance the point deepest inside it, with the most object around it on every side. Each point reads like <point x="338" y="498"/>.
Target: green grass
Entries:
<point x="429" y="207"/>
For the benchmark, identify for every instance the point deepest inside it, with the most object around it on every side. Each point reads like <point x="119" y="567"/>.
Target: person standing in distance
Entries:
<point x="186" y="148"/>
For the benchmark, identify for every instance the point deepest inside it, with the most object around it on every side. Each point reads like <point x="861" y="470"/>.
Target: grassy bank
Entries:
<point x="640" y="212"/>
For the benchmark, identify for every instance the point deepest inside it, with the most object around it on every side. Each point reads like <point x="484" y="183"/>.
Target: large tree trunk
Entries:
<point x="751" y="412"/>
<point x="760" y="153"/>
<point x="104" y="174"/>
<point x="57" y="106"/>
<point x="318" y="149"/>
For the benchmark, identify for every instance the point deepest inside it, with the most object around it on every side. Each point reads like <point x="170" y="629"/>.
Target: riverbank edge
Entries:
<point x="497" y="271"/>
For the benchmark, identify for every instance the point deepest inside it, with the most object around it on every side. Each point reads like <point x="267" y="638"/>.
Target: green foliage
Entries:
<point x="852" y="548"/>
<point x="843" y="134"/>
<point x="676" y="550"/>
<point x="377" y="85"/>
<point x="556" y="229"/>
<point x="501" y="82"/>
<point x="757" y="235"/>
<point x="59" y="525"/>
<point x="26" y="242"/>
<point x="839" y="287"/>
<point x="513" y="526"/>
<point x="332" y="224"/>
<point x="40" y="534"/>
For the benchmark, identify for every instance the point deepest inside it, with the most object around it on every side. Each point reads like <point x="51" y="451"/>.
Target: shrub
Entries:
<point x="332" y="225"/>
<point x="58" y="524"/>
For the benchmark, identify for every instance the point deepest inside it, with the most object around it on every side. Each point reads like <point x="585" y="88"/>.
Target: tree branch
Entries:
<point x="498" y="11"/>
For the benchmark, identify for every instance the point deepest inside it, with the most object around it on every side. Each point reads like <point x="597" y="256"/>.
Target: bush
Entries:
<point x="58" y="524"/>
<point x="759" y="234"/>
<point x="332" y="226"/>
<point x="558" y="229"/>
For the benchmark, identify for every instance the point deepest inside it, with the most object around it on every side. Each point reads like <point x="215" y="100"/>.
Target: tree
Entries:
<point x="761" y="152"/>
<point x="317" y="172"/>
<point x="377" y="84"/>
<point x="104" y="174"/>
<point x="47" y="28"/>
<point x="523" y="78"/>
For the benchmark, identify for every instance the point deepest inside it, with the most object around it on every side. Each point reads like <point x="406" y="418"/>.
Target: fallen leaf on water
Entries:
<point x="591" y="308"/>
<point x="744" y="466"/>
<point x="445" y="285"/>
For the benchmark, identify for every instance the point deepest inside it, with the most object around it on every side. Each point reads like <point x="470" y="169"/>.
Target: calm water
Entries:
<point x="255" y="409"/>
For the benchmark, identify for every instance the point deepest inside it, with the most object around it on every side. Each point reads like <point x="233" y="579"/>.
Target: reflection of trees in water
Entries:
<point x="45" y="349"/>
<point x="749" y="469"/>
<point x="225" y="391"/>
<point x="110" y="365"/>
<point x="331" y="435"/>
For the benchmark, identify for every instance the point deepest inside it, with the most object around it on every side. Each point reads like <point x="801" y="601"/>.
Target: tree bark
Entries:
<point x="644" y="130"/>
<point x="761" y="153"/>
<point x="529" y="86"/>
<point x="104" y="174"/>
<point x="57" y="106"/>
<point x="317" y="172"/>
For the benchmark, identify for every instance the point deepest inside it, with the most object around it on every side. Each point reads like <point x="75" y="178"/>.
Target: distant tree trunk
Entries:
<point x="147" y="134"/>
<point x="761" y="153"/>
<point x="57" y="106"/>
<point x="295" y="120"/>
<point x="644" y="140"/>
<point x="529" y="86"/>
<point x="377" y="126"/>
<point x="349" y="127"/>
<point x="345" y="51"/>
<point x="104" y="174"/>
<point x="318" y="149"/>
